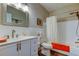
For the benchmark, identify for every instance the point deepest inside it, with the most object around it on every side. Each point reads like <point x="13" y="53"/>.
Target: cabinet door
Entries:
<point x="34" y="47"/>
<point x="25" y="48"/>
<point x="8" y="50"/>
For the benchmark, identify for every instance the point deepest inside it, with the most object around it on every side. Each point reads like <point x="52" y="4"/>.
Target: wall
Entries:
<point x="35" y="11"/>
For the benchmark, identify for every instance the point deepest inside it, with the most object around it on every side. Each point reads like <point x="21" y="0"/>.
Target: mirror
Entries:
<point x="16" y="17"/>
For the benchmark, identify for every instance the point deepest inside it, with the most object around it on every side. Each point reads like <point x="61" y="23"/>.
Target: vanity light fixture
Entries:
<point x="20" y="6"/>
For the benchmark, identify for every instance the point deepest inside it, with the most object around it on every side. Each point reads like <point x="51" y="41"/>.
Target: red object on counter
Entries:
<point x="62" y="47"/>
<point x="2" y="39"/>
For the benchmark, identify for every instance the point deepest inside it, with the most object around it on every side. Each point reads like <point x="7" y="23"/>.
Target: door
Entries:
<point x="25" y="48"/>
<point x="34" y="47"/>
<point x="8" y="50"/>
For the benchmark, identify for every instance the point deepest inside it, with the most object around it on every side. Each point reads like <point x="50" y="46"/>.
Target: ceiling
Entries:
<point x="53" y="6"/>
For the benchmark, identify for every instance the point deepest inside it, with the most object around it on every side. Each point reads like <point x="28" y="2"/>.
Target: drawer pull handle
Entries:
<point x="17" y="47"/>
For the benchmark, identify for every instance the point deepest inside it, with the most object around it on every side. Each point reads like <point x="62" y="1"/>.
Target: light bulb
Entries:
<point x="18" y="5"/>
<point x="25" y="8"/>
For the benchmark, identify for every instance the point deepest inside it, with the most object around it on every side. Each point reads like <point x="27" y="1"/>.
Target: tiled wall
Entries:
<point x="29" y="31"/>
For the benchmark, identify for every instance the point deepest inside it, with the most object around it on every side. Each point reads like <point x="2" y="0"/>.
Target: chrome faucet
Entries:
<point x="13" y="33"/>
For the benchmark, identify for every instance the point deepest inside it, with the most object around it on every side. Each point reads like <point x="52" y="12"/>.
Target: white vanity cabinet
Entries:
<point x="28" y="47"/>
<point x="9" y="50"/>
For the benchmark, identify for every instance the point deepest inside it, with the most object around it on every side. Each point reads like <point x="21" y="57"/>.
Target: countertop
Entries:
<point x="14" y="40"/>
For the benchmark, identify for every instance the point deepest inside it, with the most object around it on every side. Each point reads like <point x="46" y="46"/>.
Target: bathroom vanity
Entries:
<point x="23" y="46"/>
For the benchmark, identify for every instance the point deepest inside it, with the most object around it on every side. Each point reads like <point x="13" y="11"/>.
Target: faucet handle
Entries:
<point x="17" y="35"/>
<point x="13" y="33"/>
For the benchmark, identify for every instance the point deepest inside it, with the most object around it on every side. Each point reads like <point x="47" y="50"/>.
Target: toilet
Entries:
<point x="46" y="48"/>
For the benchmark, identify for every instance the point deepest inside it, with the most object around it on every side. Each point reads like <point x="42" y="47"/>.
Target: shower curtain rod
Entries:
<point x="72" y="14"/>
<point x="65" y="18"/>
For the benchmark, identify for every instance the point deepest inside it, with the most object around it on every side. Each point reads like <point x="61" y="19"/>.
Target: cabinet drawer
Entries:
<point x="7" y="46"/>
<point x="8" y="50"/>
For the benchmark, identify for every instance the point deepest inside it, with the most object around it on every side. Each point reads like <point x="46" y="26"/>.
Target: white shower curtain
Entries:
<point x="51" y="29"/>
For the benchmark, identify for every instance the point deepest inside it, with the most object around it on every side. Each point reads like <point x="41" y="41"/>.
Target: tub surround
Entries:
<point x="71" y="53"/>
<point x="57" y="49"/>
<point x="61" y="52"/>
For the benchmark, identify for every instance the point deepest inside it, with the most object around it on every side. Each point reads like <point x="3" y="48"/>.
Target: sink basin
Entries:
<point x="3" y="40"/>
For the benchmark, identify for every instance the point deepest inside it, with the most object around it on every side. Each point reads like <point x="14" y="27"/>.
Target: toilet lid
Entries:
<point x="46" y="45"/>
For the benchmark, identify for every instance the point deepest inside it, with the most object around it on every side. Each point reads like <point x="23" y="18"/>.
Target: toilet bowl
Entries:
<point x="46" y="48"/>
